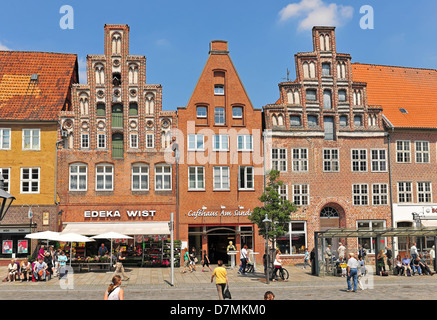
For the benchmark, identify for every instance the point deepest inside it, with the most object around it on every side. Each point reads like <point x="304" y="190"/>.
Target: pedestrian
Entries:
<point x="187" y="261"/>
<point x="352" y="272"/>
<point x="193" y="258"/>
<point x="114" y="292"/>
<point x="41" y="252"/>
<point x="221" y="280"/>
<point x="389" y="255"/>
<point x="328" y="258"/>
<point x="341" y="251"/>
<point x="277" y="263"/>
<point x="380" y="261"/>
<point x="269" y="295"/>
<point x="306" y="259"/>
<point x="243" y="259"/>
<point x="413" y="252"/>
<point x="361" y="272"/>
<point x="362" y="251"/>
<point x="119" y="265"/>
<point x="62" y="262"/>
<point x="205" y="261"/>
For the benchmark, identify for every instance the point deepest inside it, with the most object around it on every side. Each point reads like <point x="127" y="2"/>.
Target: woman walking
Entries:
<point x="205" y="261"/>
<point x="114" y="292"/>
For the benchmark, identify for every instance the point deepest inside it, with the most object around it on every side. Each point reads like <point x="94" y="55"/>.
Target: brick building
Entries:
<point x="34" y="89"/>
<point x="408" y="97"/>
<point x="113" y="175"/>
<point x="328" y="142"/>
<point x="221" y="165"/>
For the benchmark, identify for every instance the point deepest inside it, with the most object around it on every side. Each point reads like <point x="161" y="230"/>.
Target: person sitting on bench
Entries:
<point x="425" y="268"/>
<point x="40" y="270"/>
<point x="406" y="265"/>
<point x="416" y="266"/>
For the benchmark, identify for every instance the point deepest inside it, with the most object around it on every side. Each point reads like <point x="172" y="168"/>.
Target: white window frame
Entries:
<point x="7" y="182"/>
<point x="247" y="142"/>
<point x="150" y="137"/>
<point x="133" y="140"/>
<point x="377" y="194"/>
<point x="245" y="169"/>
<point x="331" y="161"/>
<point x="32" y="147"/>
<point x="283" y="191"/>
<point x="357" y="161"/>
<point x="405" y="153"/>
<point x="140" y="174"/>
<point x="237" y="116"/>
<point x="198" y="184"/>
<point x="224" y="115"/>
<point x="196" y="139"/>
<point x="78" y="175"/>
<point x="290" y="235"/>
<point x="101" y="137"/>
<point x="405" y="192"/>
<point x="421" y="152"/>
<point x="104" y="174"/>
<point x="301" y="198"/>
<point x="202" y="116"/>
<point x="85" y="140"/>
<point x="425" y="194"/>
<point x="162" y="174"/>
<point x="279" y="161"/>
<point x="222" y="178"/>
<point x="299" y="163"/>
<point x="30" y="180"/>
<point x="376" y="162"/>
<point x="2" y="135"/>
<point x="219" y="89"/>
<point x="223" y="142"/>
<point x="358" y="198"/>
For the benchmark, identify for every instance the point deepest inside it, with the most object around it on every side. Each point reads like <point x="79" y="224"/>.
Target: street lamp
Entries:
<point x="5" y="199"/>
<point x="267" y="221"/>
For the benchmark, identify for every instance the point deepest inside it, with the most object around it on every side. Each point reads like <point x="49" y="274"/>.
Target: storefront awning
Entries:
<point x="128" y="228"/>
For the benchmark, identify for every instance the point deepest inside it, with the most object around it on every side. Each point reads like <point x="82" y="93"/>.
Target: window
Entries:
<point x="424" y="192"/>
<point x="104" y="177"/>
<point x="237" y="112"/>
<point x="5" y="173"/>
<point x="101" y="110"/>
<point x="196" y="178"/>
<point x="78" y="177"/>
<point x="311" y="95"/>
<point x="360" y="194"/>
<point x="221" y="142"/>
<point x="330" y="160"/>
<point x="295" y="121"/>
<point x="326" y="69"/>
<point x="342" y="95"/>
<point x="140" y="177"/>
<point x="358" y="121"/>
<point x="101" y="140"/>
<point x="195" y="142"/>
<point x="30" y="180"/>
<point x="219" y="89"/>
<point x="245" y="177"/>
<point x="162" y="177"/>
<point x="5" y="139"/>
<point x="283" y="191"/>
<point x="31" y="139"/>
<point x="328" y="125"/>
<point x="379" y="194"/>
<point x="379" y="160"/>
<point x="343" y="121"/>
<point x="244" y="142"/>
<point x="294" y="241"/>
<point x="85" y="140"/>
<point x="422" y="151"/>
<point x="369" y="225"/>
<point x="403" y="151"/>
<point x="359" y="160"/>
<point x="202" y="112"/>
<point x="313" y="121"/>
<point x="134" y="140"/>
<point x="150" y="139"/>
<point x="221" y="178"/>
<point x="300" y="160"/>
<point x="327" y="99"/>
<point x="300" y="194"/>
<point x="133" y="109"/>
<point x="279" y="160"/>
<point x="219" y="115"/>
<point x="405" y="193"/>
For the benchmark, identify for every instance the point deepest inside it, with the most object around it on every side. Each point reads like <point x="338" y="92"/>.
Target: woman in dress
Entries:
<point x="114" y="292"/>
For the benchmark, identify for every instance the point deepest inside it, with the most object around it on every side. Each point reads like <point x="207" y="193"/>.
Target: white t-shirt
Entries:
<point x="243" y="254"/>
<point x="353" y="263"/>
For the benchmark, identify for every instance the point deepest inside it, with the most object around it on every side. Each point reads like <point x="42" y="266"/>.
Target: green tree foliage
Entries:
<point x="278" y="210"/>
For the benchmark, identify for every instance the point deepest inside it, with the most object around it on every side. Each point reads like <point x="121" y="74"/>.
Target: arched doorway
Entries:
<point x="332" y="215"/>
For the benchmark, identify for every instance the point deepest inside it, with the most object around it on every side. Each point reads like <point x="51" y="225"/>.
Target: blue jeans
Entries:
<point x="353" y="273"/>
<point x="416" y="268"/>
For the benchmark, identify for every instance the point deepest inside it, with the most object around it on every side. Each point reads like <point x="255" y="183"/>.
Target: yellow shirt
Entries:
<point x="220" y="273"/>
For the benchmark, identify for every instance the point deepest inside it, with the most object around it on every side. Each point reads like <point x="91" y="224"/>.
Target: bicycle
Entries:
<point x="283" y="273"/>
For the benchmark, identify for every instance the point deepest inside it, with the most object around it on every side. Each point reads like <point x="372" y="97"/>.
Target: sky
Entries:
<point x="263" y="36"/>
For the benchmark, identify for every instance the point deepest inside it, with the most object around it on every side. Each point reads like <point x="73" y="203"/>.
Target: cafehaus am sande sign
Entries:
<point x="117" y="214"/>
<point x="223" y="213"/>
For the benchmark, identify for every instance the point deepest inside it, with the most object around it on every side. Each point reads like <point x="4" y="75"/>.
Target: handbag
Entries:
<point x="227" y="293"/>
<point x="195" y="260"/>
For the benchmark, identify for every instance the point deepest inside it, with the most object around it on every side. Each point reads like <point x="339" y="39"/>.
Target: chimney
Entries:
<point x="218" y="47"/>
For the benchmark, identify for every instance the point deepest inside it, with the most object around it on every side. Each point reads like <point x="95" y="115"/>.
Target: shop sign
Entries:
<point x="117" y="214"/>
<point x="223" y="213"/>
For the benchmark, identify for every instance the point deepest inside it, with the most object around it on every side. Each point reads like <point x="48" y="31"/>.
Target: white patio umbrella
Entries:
<point x="43" y="235"/>
<point x="71" y="237"/>
<point x="111" y="235"/>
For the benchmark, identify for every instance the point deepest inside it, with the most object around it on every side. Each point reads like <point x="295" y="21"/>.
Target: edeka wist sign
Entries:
<point x="117" y="214"/>
<point x="223" y="213"/>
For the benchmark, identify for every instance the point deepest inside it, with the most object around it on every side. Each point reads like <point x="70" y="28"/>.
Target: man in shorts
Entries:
<point x="221" y="279"/>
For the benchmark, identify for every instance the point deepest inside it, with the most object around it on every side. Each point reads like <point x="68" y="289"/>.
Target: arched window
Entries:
<point x="306" y="70"/>
<point x="133" y="74"/>
<point x="326" y="69"/>
<point x="150" y="103"/>
<point x="312" y="70"/>
<point x="280" y="120"/>
<point x="99" y="73"/>
<point x="116" y="43"/>
<point x="329" y="212"/>
<point x="84" y="104"/>
<point x="274" y="121"/>
<point x="357" y="97"/>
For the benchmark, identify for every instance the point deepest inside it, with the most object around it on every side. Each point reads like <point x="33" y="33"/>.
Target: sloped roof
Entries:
<point x="394" y="88"/>
<point x="24" y="99"/>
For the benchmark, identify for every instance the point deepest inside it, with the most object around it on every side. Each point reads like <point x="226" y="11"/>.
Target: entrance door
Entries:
<point x="218" y="241"/>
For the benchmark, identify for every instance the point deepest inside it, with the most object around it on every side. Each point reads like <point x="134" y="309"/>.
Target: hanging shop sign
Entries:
<point x="118" y="213"/>
<point x="223" y="213"/>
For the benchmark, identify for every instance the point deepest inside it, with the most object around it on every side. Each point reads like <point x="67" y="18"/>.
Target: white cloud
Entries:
<point x="316" y="13"/>
<point x="162" y="43"/>
<point x="3" y="47"/>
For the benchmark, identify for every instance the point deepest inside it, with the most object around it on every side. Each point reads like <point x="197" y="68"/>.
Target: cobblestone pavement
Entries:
<point x="153" y="284"/>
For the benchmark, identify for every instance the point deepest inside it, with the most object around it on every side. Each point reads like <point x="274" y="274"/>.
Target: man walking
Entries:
<point x="413" y="252"/>
<point x="119" y="265"/>
<point x="221" y="279"/>
<point x="352" y="272"/>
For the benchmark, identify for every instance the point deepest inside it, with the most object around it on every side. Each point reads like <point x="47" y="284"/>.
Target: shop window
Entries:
<point x="295" y="240"/>
<point x="368" y="243"/>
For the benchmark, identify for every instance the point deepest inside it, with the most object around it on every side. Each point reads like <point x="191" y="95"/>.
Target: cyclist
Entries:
<point x="277" y="264"/>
